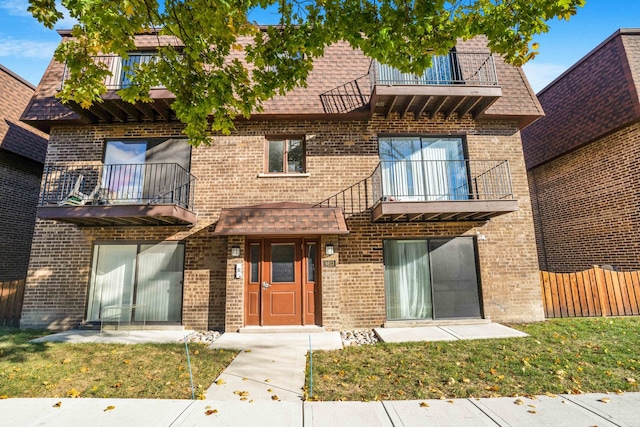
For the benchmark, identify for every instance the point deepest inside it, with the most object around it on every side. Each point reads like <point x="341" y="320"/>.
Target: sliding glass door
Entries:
<point x="136" y="282"/>
<point x="423" y="169"/>
<point x="431" y="279"/>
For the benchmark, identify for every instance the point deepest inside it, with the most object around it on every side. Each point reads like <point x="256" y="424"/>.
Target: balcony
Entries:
<point x="113" y="109"/>
<point x="456" y="84"/>
<point x="124" y="194"/>
<point x="431" y="190"/>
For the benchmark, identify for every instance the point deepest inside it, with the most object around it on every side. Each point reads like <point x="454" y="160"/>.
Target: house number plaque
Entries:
<point x="329" y="263"/>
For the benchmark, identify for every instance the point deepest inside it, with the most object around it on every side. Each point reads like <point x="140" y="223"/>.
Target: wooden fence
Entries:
<point x="11" y="294"/>
<point x="594" y="292"/>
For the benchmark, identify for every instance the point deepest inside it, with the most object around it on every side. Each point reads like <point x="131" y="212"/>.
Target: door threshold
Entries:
<point x="307" y="329"/>
<point x="418" y="323"/>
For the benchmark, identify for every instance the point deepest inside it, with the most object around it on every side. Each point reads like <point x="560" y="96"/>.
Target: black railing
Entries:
<point x="425" y="181"/>
<point x="122" y="70"/>
<point x="346" y="98"/>
<point x="455" y="68"/>
<point x="149" y="184"/>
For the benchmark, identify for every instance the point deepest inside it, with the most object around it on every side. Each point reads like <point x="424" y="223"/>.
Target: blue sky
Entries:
<point x="26" y="46"/>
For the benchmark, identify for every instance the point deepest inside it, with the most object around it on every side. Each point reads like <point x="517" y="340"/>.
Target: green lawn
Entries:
<point x="560" y="356"/>
<point x="103" y="370"/>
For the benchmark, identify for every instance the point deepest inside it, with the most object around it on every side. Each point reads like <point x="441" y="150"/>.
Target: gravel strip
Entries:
<point x="358" y="337"/>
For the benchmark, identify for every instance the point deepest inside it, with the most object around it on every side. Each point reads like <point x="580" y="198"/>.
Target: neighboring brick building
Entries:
<point x="582" y="160"/>
<point x="331" y="207"/>
<point x="22" y="151"/>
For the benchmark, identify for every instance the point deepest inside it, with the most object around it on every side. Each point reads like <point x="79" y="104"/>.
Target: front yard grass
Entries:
<point x="103" y="370"/>
<point x="559" y="356"/>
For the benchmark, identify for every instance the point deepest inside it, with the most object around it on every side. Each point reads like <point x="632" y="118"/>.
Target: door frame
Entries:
<point x="309" y="297"/>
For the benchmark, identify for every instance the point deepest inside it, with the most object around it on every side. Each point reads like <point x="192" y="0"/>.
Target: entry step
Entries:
<point x="309" y="329"/>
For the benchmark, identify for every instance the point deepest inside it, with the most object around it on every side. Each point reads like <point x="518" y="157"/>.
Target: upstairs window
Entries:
<point x="285" y="155"/>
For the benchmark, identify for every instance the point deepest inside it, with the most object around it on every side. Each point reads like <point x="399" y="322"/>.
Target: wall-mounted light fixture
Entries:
<point x="235" y="251"/>
<point x="328" y="249"/>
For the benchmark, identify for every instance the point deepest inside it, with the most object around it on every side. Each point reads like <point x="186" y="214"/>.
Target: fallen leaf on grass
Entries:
<point x="604" y="400"/>
<point x="84" y="369"/>
<point x="65" y="361"/>
<point x="57" y="404"/>
<point x="211" y="411"/>
<point x="631" y="380"/>
<point x="424" y="405"/>
<point x="73" y="393"/>
<point x="109" y="408"/>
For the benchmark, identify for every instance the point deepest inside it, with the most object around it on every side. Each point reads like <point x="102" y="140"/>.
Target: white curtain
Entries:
<point x="160" y="282"/>
<point x="407" y="280"/>
<point x="113" y="277"/>
<point x="157" y="285"/>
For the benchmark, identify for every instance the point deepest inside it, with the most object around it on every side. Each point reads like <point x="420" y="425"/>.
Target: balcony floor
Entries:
<point x="449" y="210"/>
<point x="119" y="215"/>
<point x="429" y="100"/>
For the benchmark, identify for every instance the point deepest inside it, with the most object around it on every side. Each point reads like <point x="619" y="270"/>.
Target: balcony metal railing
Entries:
<point x="455" y="68"/>
<point x="425" y="181"/>
<point x="148" y="184"/>
<point x="121" y="69"/>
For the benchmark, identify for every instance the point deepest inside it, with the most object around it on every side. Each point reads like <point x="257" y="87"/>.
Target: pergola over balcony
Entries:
<point x="123" y="194"/>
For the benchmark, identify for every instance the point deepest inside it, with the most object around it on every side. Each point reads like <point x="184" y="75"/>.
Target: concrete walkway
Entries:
<point x="561" y="411"/>
<point x="269" y="366"/>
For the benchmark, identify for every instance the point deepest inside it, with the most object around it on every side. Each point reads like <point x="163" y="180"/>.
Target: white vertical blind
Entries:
<point x="112" y="280"/>
<point x="408" y="289"/>
<point x="160" y="282"/>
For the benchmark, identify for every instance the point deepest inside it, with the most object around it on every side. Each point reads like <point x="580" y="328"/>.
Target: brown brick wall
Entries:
<point x="339" y="154"/>
<point x="20" y="178"/>
<point x="587" y="205"/>
<point x="596" y="96"/>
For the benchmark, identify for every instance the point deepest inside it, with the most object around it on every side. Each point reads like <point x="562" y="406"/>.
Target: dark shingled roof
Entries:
<point x="282" y="219"/>
<point x="340" y="65"/>
<point x="595" y="97"/>
<point x="15" y="136"/>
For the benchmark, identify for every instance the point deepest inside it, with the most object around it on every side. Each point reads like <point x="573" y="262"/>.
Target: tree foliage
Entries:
<point x="225" y="66"/>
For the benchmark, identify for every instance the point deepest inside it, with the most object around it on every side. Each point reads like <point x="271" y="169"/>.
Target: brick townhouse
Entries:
<point x="370" y="197"/>
<point x="582" y="161"/>
<point x="22" y="152"/>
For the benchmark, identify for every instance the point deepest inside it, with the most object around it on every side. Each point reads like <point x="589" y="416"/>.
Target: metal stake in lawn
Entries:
<point x="310" y="369"/>
<point x="193" y="394"/>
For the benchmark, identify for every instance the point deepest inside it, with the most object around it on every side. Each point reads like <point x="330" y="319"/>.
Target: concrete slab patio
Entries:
<point x="448" y="333"/>
<point x="134" y="336"/>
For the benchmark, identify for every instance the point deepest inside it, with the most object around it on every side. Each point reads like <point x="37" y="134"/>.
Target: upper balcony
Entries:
<point x="430" y="190"/>
<point x="458" y="83"/>
<point x="122" y="194"/>
<point x="113" y="109"/>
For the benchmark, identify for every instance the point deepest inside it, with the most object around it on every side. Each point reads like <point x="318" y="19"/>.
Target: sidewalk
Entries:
<point x="561" y="411"/>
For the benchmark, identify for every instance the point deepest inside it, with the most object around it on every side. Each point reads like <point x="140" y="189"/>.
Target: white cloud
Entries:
<point x="20" y="48"/>
<point x="15" y="7"/>
<point x="541" y="74"/>
<point x="19" y="8"/>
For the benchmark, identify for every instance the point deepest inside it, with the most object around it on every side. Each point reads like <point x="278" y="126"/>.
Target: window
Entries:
<point x="285" y="155"/>
<point x="147" y="276"/>
<point x="431" y="279"/>
<point x="147" y="171"/>
<point x="423" y="168"/>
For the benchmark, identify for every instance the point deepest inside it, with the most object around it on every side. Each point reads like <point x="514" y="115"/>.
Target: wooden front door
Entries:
<point x="281" y="284"/>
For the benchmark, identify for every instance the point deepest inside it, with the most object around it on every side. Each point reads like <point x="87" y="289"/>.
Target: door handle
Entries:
<point x="265" y="285"/>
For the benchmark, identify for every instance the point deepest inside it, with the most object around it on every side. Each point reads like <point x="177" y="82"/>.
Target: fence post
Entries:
<point x="600" y="284"/>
